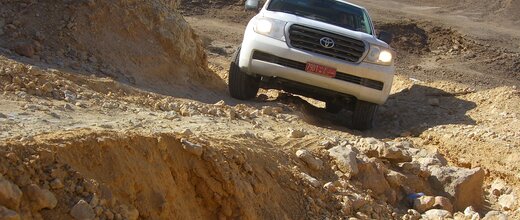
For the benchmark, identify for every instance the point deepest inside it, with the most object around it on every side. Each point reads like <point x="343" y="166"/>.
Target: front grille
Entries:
<point x="257" y="55"/>
<point x="345" y="48"/>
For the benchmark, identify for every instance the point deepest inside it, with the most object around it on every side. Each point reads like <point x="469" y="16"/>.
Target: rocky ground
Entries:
<point x="108" y="130"/>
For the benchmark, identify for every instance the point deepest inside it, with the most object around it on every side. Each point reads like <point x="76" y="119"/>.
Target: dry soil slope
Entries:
<point x="139" y="42"/>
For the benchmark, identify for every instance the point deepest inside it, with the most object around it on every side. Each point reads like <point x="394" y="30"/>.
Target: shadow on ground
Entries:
<point x="408" y="111"/>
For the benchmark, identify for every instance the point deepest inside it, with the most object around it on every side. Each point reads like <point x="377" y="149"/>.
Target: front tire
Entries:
<point x="241" y="85"/>
<point x="332" y="107"/>
<point x="364" y="113"/>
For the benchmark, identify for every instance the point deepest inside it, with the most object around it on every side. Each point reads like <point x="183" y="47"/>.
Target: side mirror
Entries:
<point x="252" y="4"/>
<point x="385" y="36"/>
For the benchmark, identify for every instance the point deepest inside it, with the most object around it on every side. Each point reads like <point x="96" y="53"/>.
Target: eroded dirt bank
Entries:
<point x="104" y="121"/>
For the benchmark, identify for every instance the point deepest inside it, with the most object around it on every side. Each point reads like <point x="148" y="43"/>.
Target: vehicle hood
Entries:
<point x="294" y="19"/>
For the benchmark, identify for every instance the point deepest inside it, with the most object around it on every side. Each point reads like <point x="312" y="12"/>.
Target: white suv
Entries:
<point x="323" y="49"/>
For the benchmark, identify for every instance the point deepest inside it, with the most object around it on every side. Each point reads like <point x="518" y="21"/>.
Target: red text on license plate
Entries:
<point x="320" y="69"/>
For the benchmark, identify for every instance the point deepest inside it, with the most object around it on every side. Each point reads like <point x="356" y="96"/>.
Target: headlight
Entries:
<point x="379" y="55"/>
<point x="271" y="28"/>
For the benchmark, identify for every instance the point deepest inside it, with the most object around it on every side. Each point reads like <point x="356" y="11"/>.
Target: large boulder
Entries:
<point x="10" y="194"/>
<point x="345" y="158"/>
<point x="82" y="211"/>
<point x="395" y="152"/>
<point x="372" y="176"/>
<point x="424" y="203"/>
<point x="311" y="161"/>
<point x="463" y="186"/>
<point x="40" y="198"/>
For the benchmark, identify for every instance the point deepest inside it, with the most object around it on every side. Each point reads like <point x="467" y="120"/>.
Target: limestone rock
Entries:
<point x="498" y="187"/>
<point x="495" y="215"/>
<point x="470" y="213"/>
<point x="195" y="149"/>
<point x="329" y="187"/>
<point x="372" y="177"/>
<point x="345" y="159"/>
<point x="41" y="198"/>
<point x="309" y="159"/>
<point x="435" y="214"/>
<point x="186" y="132"/>
<point x="443" y="203"/>
<point x="463" y="185"/>
<point x="412" y="214"/>
<point x="10" y="194"/>
<point x="394" y="153"/>
<point x="82" y="211"/>
<point x="311" y="180"/>
<point x="8" y="214"/>
<point x="395" y="179"/>
<point x="56" y="184"/>
<point x="507" y="202"/>
<point x="296" y="133"/>
<point x="424" y="203"/>
<point x="371" y="146"/>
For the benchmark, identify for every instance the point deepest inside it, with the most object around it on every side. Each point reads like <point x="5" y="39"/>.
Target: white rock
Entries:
<point x="220" y="103"/>
<point x="495" y="215"/>
<point x="296" y="133"/>
<point x="507" y="202"/>
<point x="345" y="158"/>
<point x="471" y="214"/>
<point x="313" y="181"/>
<point x="69" y="96"/>
<point x="186" y="132"/>
<point x="313" y="162"/>
<point x="81" y="104"/>
<point x="329" y="187"/>
<point x="195" y="149"/>
<point x="435" y="214"/>
<point x="394" y="154"/>
<point x="424" y="203"/>
<point x="110" y="105"/>
<point x="10" y="194"/>
<point x="82" y="211"/>
<point x="412" y="214"/>
<point x="170" y="115"/>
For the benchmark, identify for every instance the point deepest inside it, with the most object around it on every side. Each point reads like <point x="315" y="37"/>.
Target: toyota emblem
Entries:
<point x="327" y="42"/>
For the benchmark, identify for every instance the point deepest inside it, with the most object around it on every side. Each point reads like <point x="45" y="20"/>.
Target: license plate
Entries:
<point x="320" y="69"/>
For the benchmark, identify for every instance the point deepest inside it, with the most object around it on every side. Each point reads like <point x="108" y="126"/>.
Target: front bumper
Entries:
<point x="254" y="42"/>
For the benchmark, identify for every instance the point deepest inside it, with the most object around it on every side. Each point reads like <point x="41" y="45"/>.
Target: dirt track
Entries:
<point x="162" y="150"/>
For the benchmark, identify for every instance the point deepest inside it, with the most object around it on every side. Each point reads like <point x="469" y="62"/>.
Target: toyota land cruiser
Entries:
<point x="323" y="49"/>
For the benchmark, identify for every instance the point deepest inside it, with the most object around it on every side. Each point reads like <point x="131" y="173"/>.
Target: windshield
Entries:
<point x="330" y="11"/>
